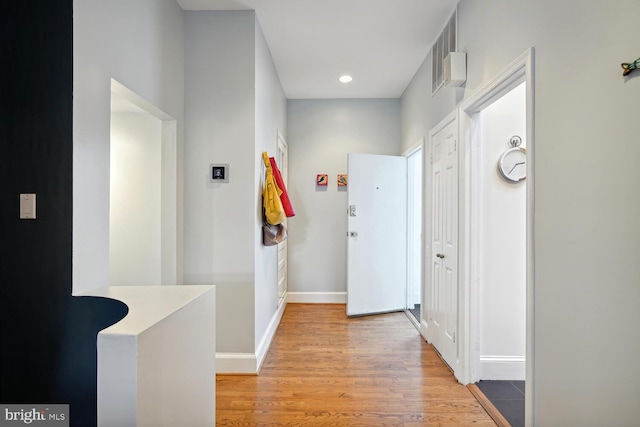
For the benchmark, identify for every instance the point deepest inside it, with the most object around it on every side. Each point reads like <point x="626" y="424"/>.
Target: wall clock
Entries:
<point x="512" y="164"/>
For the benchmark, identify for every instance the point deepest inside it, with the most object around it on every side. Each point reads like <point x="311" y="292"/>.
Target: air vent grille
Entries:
<point x="447" y="42"/>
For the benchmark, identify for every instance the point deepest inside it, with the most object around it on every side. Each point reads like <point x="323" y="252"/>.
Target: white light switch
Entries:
<point x="27" y="206"/>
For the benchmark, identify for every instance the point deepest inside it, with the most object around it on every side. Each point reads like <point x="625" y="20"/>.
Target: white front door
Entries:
<point x="377" y="234"/>
<point x="443" y="295"/>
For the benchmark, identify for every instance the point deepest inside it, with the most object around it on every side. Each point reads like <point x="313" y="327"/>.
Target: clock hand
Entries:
<point x="514" y="166"/>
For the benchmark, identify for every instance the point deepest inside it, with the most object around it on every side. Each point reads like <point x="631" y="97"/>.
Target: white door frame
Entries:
<point x="412" y="150"/>
<point x="282" y="257"/>
<point x="520" y="70"/>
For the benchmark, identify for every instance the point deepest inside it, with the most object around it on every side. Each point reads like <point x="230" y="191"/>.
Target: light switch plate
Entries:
<point x="27" y="206"/>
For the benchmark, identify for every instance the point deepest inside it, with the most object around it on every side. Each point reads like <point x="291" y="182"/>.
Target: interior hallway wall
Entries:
<point x="271" y="119"/>
<point x="320" y="135"/>
<point x="235" y="108"/>
<point x="587" y="235"/>
<point x="140" y="44"/>
<point x="220" y="128"/>
<point x="420" y="112"/>
<point x="48" y="337"/>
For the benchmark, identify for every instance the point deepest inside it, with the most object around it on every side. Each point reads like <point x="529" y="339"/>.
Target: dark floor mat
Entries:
<point x="507" y="397"/>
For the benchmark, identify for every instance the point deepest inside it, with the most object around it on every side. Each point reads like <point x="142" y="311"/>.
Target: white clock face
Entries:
<point x="513" y="164"/>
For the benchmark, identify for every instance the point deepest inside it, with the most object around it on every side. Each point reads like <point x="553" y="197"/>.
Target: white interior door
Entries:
<point x="443" y="296"/>
<point x="377" y="233"/>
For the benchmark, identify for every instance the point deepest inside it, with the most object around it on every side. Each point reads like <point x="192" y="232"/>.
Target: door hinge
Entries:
<point x="454" y="337"/>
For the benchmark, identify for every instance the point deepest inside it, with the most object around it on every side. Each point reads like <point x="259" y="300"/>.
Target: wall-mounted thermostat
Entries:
<point x="219" y="173"/>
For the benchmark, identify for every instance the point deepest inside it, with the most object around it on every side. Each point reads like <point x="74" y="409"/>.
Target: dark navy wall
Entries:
<point x="48" y="338"/>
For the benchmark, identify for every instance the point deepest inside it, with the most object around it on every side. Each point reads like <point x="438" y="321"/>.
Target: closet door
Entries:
<point x="443" y="295"/>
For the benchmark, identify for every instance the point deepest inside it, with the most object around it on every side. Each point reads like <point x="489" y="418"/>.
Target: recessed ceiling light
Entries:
<point x="345" y="79"/>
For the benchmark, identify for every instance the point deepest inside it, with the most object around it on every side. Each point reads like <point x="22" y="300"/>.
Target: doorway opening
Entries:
<point x="143" y="193"/>
<point x="414" y="233"/>
<point x="497" y="341"/>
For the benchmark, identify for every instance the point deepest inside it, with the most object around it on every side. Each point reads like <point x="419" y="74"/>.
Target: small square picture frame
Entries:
<point x="219" y="172"/>
<point x="322" y="180"/>
<point x="342" y="180"/>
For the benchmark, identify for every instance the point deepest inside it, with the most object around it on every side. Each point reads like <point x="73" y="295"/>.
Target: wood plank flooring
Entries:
<point x="324" y="369"/>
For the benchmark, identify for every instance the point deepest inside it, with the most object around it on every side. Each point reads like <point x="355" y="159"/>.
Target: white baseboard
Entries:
<point x="267" y="338"/>
<point x="424" y="330"/>
<point x="236" y="363"/>
<point x="250" y="363"/>
<point x="502" y="368"/>
<point x="317" y="297"/>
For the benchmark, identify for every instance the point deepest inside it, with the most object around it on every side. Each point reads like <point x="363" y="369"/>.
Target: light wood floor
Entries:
<point x="324" y="369"/>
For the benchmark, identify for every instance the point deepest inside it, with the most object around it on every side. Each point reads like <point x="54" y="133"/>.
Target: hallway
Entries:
<point x="326" y="369"/>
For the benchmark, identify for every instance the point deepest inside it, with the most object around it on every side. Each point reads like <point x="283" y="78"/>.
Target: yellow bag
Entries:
<point x="273" y="210"/>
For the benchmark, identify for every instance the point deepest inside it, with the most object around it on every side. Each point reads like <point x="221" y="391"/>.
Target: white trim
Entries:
<point x="317" y="297"/>
<point x="413" y="148"/>
<point x="267" y="338"/>
<point x="424" y="330"/>
<point x="236" y="363"/>
<point x="417" y="147"/>
<point x="510" y="368"/>
<point x="520" y="70"/>
<point x="249" y="363"/>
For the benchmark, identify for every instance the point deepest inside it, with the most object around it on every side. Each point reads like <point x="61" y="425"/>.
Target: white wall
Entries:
<point x="502" y="252"/>
<point x="140" y="44"/>
<point x="587" y="235"/>
<point x="235" y="107"/>
<point x="220" y="128"/>
<point x="220" y="218"/>
<point x="419" y="111"/>
<point x="135" y="200"/>
<point x="320" y="134"/>
<point x="271" y="112"/>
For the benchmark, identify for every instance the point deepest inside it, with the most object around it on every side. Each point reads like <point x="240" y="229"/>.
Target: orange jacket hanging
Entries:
<point x="284" y="197"/>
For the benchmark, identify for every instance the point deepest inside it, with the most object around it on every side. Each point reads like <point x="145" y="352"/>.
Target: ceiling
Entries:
<point x="381" y="43"/>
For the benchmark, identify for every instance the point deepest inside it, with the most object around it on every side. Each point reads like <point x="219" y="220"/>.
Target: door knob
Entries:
<point x="440" y="255"/>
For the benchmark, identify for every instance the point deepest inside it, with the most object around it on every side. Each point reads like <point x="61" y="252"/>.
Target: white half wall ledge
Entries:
<point x="317" y="297"/>
<point x="156" y="367"/>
